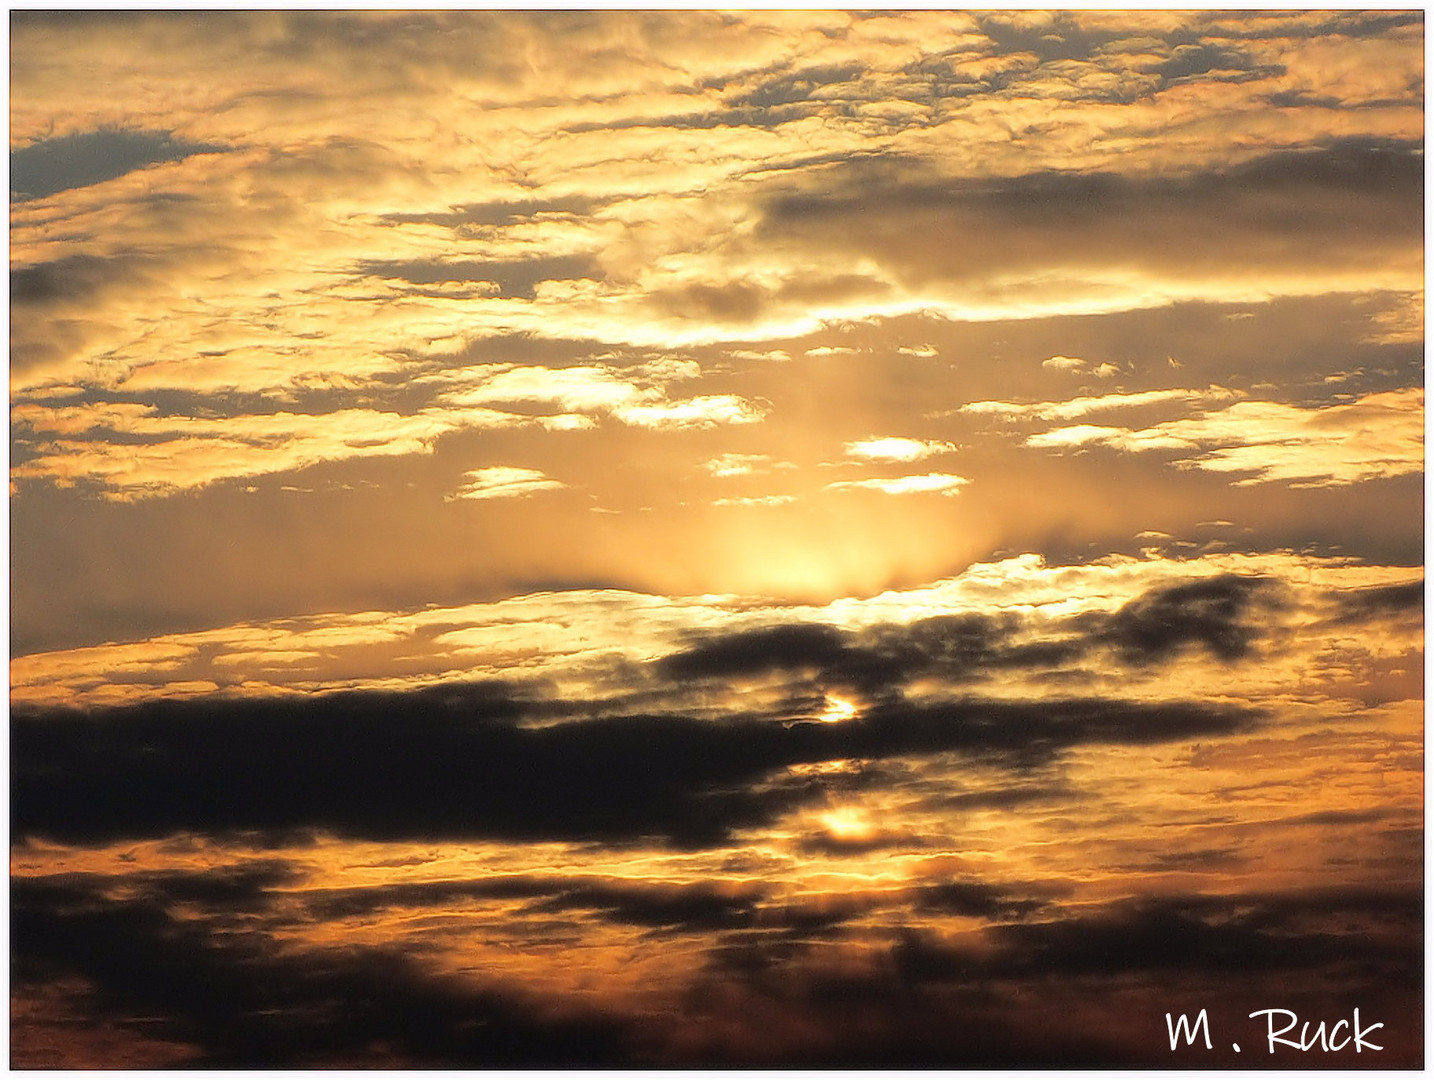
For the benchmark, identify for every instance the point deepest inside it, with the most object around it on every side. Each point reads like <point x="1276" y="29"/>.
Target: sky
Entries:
<point x="693" y="538"/>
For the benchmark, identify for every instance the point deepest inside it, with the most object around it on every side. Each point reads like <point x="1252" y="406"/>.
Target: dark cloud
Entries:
<point x="1202" y="859"/>
<point x="513" y="278"/>
<point x="1208" y="613"/>
<point x="1379" y="602"/>
<point x="78" y="160"/>
<point x="74" y="277"/>
<point x="752" y="652"/>
<point x="676" y="908"/>
<point x="794" y="87"/>
<point x="735" y="300"/>
<point x="1268" y="932"/>
<point x="957" y="647"/>
<point x="1352" y="201"/>
<point x="742" y="301"/>
<point x="1191" y="61"/>
<point x="1354" y="24"/>
<point x="241" y="1001"/>
<point x="513" y="212"/>
<point x="1061" y="38"/>
<point x="244" y="886"/>
<point x="456" y="763"/>
<point x="1216" y="613"/>
<point x="1044" y="983"/>
<point x="743" y="115"/>
<point x="980" y="900"/>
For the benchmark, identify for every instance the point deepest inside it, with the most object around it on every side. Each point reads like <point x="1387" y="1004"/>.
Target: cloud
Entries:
<point x="181" y="453"/>
<point x="636" y="397"/>
<point x="1247" y="934"/>
<point x="727" y="465"/>
<point x="1081" y="406"/>
<point x="1226" y="614"/>
<point x="940" y="483"/>
<point x="1381" y="601"/>
<point x="766" y="649"/>
<point x="1063" y="363"/>
<point x="925" y="995"/>
<point x="575" y="389"/>
<point x="756" y="500"/>
<point x="1207" y="612"/>
<point x="655" y="906"/>
<point x="519" y="277"/>
<point x="981" y="249"/>
<point x="504" y="482"/>
<point x="47" y="166"/>
<point x="684" y="185"/>
<point x="206" y="975"/>
<point x="236" y="999"/>
<point x="894" y="448"/>
<point x="1016" y="616"/>
<point x="451" y="763"/>
<point x="1379" y="435"/>
<point x="708" y="411"/>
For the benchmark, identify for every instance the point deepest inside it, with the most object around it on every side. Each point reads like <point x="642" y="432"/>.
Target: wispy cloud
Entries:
<point x="727" y="465"/>
<point x="1082" y="406"/>
<point x="938" y="483"/>
<point x="182" y="453"/>
<point x="1379" y="435"/>
<point x="504" y="482"/>
<point x="895" y="448"/>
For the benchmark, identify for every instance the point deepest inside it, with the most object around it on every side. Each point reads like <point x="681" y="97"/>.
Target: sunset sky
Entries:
<point x="670" y="538"/>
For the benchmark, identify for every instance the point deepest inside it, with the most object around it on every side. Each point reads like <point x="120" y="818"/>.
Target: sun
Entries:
<point x="837" y="709"/>
<point x="847" y="824"/>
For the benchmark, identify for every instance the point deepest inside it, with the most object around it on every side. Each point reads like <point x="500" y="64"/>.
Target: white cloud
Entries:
<point x="575" y="389"/>
<point x="504" y="482"/>
<point x="188" y="452"/>
<point x="1081" y="406"/>
<point x="758" y="500"/>
<point x="775" y="355"/>
<point x="635" y="396"/>
<point x="726" y="465"/>
<point x="1380" y="435"/>
<point x="1063" y="363"/>
<point x="694" y="412"/>
<point x="894" y="448"/>
<point x="941" y="483"/>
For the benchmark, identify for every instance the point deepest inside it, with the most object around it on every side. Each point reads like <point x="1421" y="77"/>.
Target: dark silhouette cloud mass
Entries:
<point x="451" y="766"/>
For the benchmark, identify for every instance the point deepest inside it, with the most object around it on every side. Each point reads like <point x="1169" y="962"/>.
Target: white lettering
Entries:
<point x="1359" y="1043"/>
<point x="1273" y="1034"/>
<point x="1333" y="1031"/>
<point x="1184" y="1027"/>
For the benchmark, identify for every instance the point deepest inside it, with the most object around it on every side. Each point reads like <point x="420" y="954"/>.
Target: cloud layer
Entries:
<point x="697" y="538"/>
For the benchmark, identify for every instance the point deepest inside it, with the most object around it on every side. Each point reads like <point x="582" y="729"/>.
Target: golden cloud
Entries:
<point x="1378" y="435"/>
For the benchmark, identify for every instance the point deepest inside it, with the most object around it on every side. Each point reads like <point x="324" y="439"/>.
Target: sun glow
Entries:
<point x="837" y="710"/>
<point x="847" y="824"/>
